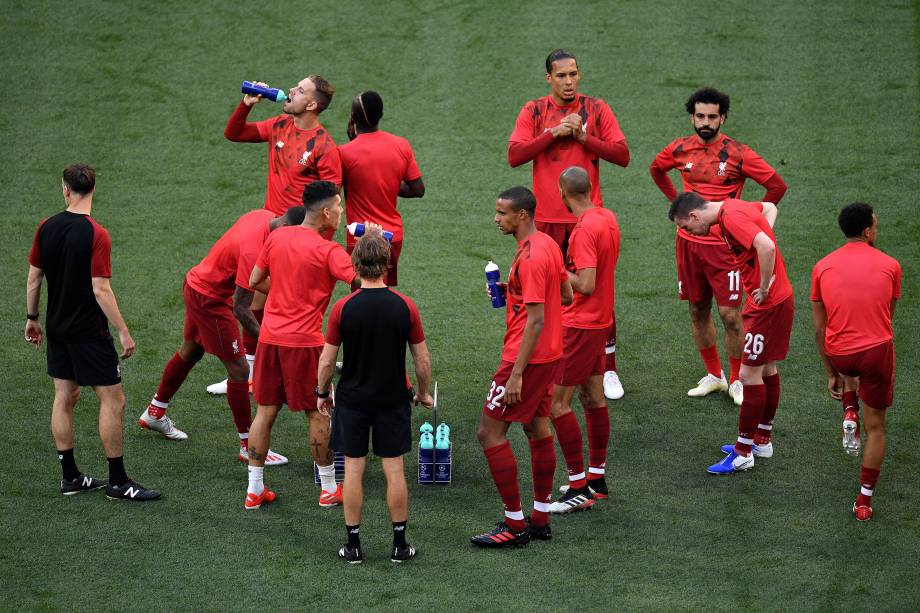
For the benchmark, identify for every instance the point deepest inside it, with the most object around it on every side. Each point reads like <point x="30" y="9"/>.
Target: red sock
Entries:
<point x="568" y="433"/>
<point x="749" y="416"/>
<point x="710" y="357"/>
<point x="771" y="402"/>
<point x="504" y="471"/>
<point x="867" y="479"/>
<point x="597" y="424"/>
<point x="174" y="375"/>
<point x="610" y="348"/>
<point x="542" y="466"/>
<point x="735" y="367"/>
<point x="238" y="399"/>
<point x="250" y="341"/>
<point x="850" y="401"/>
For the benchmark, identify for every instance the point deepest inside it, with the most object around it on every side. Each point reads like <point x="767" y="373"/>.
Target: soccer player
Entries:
<point x="747" y="229"/>
<point x="73" y="252"/>
<point x="374" y="325"/>
<point x="560" y="130"/>
<point x="715" y="167"/>
<point x="377" y="167"/>
<point x="853" y="294"/>
<point x="537" y="287"/>
<point x="594" y="247"/>
<point x="217" y="301"/>
<point x="304" y="268"/>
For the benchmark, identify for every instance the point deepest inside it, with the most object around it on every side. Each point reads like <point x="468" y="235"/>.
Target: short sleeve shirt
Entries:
<point x="374" y="165"/>
<point x="857" y="284"/>
<point x="742" y="221"/>
<point x="303" y="267"/>
<point x="544" y="114"/>
<point x="535" y="278"/>
<point x="296" y="158"/>
<point x="231" y="259"/>
<point x="716" y="171"/>
<point x="594" y="243"/>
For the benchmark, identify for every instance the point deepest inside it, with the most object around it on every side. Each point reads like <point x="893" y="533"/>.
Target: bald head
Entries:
<point x="574" y="181"/>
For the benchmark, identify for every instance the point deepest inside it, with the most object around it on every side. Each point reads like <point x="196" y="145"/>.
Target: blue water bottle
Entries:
<point x="357" y="230"/>
<point x="426" y="458"/>
<point x="442" y="460"/>
<point x="269" y="93"/>
<point x="496" y="291"/>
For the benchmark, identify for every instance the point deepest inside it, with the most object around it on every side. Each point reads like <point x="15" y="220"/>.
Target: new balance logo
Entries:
<point x="688" y="166"/>
<point x="87" y="481"/>
<point x="279" y="145"/>
<point x="131" y="492"/>
<point x="733" y="297"/>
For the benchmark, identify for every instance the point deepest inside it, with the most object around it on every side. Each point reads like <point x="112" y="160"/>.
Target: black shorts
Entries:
<point x="87" y="363"/>
<point x="391" y="428"/>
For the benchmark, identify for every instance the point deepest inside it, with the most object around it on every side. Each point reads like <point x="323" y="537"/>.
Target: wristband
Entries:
<point x="32" y="317"/>
<point x="320" y="394"/>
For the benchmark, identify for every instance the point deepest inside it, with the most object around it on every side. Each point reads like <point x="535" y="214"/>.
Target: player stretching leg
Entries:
<point x="747" y="229"/>
<point x="714" y="166"/>
<point x="594" y="247"/>
<point x="557" y="131"/>
<point x="853" y="295"/>
<point x="304" y="268"/>
<point x="217" y="301"/>
<point x="537" y="287"/>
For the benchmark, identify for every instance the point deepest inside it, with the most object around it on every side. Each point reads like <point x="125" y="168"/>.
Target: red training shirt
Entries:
<point x="741" y="221"/>
<point x="716" y="171"/>
<point x="303" y="267"/>
<point x="594" y="243"/>
<point x="536" y="274"/>
<point x="532" y="140"/>
<point x="296" y="157"/>
<point x="231" y="259"/>
<point x="857" y="284"/>
<point x="373" y="166"/>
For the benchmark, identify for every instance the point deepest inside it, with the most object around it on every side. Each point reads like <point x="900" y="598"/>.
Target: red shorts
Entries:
<point x="767" y="332"/>
<point x="285" y="375"/>
<point x="704" y="271"/>
<point x="583" y="356"/>
<point x="395" y="250"/>
<point x="211" y="324"/>
<point x="875" y="368"/>
<point x="536" y="393"/>
<point x="559" y="232"/>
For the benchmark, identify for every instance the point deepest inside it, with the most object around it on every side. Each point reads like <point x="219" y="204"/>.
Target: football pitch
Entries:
<point x="826" y="92"/>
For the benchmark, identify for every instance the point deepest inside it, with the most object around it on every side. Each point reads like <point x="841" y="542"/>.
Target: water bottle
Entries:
<point x="426" y="428"/>
<point x="426" y="458"/>
<point x="496" y="291"/>
<point x="357" y="230"/>
<point x="442" y="459"/>
<point x="442" y="431"/>
<point x="269" y="93"/>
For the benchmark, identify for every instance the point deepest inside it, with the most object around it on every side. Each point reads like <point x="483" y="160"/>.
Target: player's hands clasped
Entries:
<point x="34" y="332"/>
<point x="249" y="99"/>
<point x="576" y="126"/>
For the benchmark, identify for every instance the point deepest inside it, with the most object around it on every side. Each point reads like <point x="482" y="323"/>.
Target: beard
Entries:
<point x="706" y="133"/>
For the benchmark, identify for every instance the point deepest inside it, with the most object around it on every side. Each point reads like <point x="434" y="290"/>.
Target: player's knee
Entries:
<point x="731" y="319"/>
<point x="699" y="312"/>
<point x="237" y="370"/>
<point x="559" y="408"/>
<point x="69" y="398"/>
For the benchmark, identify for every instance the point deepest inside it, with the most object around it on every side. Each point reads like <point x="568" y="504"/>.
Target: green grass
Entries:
<point x="827" y="92"/>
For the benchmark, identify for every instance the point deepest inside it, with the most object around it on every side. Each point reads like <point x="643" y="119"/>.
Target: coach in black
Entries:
<point x="374" y="324"/>
<point x="72" y="252"/>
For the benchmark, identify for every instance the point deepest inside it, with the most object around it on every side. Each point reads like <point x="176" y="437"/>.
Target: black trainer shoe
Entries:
<point x="354" y="556"/>
<point x="598" y="487"/>
<point x="82" y="483"/>
<point x="542" y="533"/>
<point x="501" y="536"/>
<point x="402" y="553"/>
<point x="573" y="500"/>
<point x="131" y="490"/>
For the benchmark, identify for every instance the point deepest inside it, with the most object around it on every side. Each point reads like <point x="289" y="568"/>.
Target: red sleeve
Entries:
<point x="775" y="187"/>
<point x="239" y="131"/>
<point x="583" y="249"/>
<point x="754" y="166"/>
<point x="100" y="260"/>
<point x="265" y="253"/>
<point x="659" y="168"/>
<point x="333" y="334"/>
<point x="329" y="165"/>
<point x="340" y="264"/>
<point x="741" y="226"/>
<point x="522" y="146"/>
<point x="412" y="172"/>
<point x="245" y="262"/>
<point x="35" y="254"/>
<point x="896" y="290"/>
<point x="816" y="283"/>
<point x="416" y="334"/>
<point x="532" y="274"/>
<point x="611" y="146"/>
